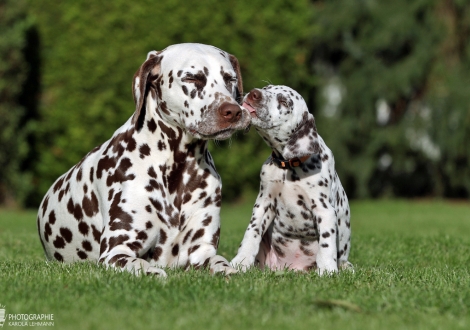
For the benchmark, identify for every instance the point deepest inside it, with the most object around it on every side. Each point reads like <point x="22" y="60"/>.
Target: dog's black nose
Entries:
<point x="230" y="112"/>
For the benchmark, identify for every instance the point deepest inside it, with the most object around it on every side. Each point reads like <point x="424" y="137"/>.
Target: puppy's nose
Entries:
<point x="255" y="95"/>
<point x="230" y="112"/>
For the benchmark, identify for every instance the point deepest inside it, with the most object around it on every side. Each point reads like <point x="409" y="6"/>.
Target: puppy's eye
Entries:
<point x="284" y="103"/>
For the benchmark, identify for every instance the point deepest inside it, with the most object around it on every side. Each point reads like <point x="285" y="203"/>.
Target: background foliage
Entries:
<point x="387" y="82"/>
<point x="14" y="27"/>
<point x="402" y="70"/>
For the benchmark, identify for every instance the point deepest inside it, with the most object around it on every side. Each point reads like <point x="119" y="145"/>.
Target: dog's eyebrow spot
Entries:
<point x="281" y="97"/>
<point x="283" y="100"/>
<point x="199" y="79"/>
<point x="191" y="77"/>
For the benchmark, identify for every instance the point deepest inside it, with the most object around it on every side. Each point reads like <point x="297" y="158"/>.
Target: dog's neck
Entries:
<point x="277" y="145"/>
<point x="168" y="137"/>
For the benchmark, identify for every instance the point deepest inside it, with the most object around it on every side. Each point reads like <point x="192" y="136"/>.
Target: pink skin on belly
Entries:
<point x="294" y="254"/>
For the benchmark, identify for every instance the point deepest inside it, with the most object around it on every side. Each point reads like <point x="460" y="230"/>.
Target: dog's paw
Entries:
<point x="242" y="263"/>
<point x="241" y="268"/>
<point x="148" y="270"/>
<point x="156" y="271"/>
<point x="223" y="269"/>
<point x="327" y="269"/>
<point x="346" y="266"/>
<point x="220" y="265"/>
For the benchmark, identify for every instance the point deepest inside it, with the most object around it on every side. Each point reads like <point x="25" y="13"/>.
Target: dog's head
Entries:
<point x="196" y="87"/>
<point x="281" y="117"/>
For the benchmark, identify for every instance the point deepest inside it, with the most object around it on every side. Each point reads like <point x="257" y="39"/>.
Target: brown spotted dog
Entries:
<point x="150" y="196"/>
<point x="301" y="218"/>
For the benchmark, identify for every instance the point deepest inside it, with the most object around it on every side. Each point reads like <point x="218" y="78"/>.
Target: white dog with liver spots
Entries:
<point x="150" y="196"/>
<point x="301" y="218"/>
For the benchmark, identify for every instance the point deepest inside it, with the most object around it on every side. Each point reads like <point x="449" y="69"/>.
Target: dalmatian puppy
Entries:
<point x="301" y="217"/>
<point x="150" y="196"/>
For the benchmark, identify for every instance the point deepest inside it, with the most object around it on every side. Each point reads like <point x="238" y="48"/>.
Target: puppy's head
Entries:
<point x="281" y="117"/>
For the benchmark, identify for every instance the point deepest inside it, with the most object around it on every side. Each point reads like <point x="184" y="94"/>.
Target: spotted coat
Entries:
<point x="150" y="196"/>
<point x="301" y="218"/>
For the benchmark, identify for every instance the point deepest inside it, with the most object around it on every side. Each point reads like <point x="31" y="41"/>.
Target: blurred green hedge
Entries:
<point x="401" y="69"/>
<point x="91" y="49"/>
<point x="387" y="82"/>
<point x="15" y="27"/>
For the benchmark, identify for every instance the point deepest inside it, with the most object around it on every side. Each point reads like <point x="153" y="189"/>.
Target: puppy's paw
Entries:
<point x="347" y="266"/>
<point x="242" y="263"/>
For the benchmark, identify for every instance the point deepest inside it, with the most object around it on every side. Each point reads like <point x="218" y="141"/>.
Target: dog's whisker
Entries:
<point x="267" y="82"/>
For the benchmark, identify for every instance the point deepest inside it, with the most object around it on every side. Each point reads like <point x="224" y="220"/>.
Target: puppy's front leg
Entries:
<point x="261" y="218"/>
<point x="327" y="229"/>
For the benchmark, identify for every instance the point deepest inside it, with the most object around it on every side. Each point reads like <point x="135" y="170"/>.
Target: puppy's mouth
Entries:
<point x="250" y="108"/>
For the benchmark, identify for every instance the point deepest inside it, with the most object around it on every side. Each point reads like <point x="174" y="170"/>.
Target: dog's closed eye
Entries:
<point x="228" y="78"/>
<point x="193" y="78"/>
<point x="283" y="101"/>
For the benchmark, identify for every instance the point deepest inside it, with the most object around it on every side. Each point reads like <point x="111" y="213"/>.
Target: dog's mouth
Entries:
<point x="250" y="108"/>
<point x="219" y="135"/>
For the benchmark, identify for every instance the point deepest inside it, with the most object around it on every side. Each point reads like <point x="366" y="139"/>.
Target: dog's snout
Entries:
<point x="230" y="112"/>
<point x="255" y="95"/>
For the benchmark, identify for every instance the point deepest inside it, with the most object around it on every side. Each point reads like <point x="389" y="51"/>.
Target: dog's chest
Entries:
<point x="293" y="211"/>
<point x="292" y="239"/>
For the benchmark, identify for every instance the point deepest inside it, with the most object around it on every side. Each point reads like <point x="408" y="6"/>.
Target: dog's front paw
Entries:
<point x="148" y="270"/>
<point x="346" y="265"/>
<point x="219" y="264"/>
<point x="226" y="270"/>
<point x="155" y="271"/>
<point x="327" y="268"/>
<point x="326" y="272"/>
<point x="242" y="263"/>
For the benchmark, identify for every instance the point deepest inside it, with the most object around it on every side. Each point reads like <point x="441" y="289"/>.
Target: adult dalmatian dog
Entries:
<point x="150" y="196"/>
<point x="301" y="217"/>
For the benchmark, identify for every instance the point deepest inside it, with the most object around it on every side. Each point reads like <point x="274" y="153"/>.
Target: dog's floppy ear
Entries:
<point x="148" y="72"/>
<point x="304" y="139"/>
<point x="239" y="88"/>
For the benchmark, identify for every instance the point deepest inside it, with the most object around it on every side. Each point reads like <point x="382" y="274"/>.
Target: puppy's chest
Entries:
<point x="293" y="209"/>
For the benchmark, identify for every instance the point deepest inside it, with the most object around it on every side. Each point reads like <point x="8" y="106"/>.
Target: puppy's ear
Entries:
<point x="239" y="88"/>
<point x="148" y="72"/>
<point x="304" y="139"/>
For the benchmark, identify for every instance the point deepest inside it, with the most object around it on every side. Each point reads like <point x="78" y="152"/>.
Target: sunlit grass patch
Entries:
<point x="411" y="272"/>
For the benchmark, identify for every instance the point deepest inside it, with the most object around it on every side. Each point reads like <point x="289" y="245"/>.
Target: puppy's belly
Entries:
<point x="278" y="252"/>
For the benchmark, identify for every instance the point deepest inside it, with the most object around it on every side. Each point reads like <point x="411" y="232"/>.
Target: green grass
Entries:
<point x="411" y="261"/>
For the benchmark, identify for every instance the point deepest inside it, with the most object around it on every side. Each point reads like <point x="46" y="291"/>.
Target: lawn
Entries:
<point x="412" y="272"/>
